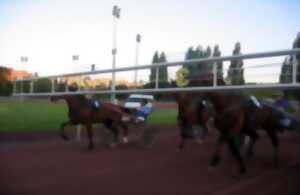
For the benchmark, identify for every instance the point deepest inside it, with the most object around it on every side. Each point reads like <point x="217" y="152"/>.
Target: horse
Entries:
<point x="237" y="115"/>
<point x="82" y="111"/>
<point x="192" y="112"/>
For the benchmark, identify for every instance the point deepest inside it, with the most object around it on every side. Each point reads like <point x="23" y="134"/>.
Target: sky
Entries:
<point x="49" y="32"/>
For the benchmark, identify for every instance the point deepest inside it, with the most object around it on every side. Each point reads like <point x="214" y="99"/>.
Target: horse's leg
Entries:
<point x="125" y="133"/>
<point x="62" y="129"/>
<point x="275" y="142"/>
<point x="254" y="137"/>
<point x="215" y="160"/>
<point x="90" y="135"/>
<point x="183" y="136"/>
<point x="109" y="125"/>
<point x="233" y="146"/>
<point x="115" y="130"/>
<point x="182" y="143"/>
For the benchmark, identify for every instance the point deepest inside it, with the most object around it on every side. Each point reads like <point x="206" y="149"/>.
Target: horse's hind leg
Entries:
<point x="233" y="146"/>
<point x="90" y="135"/>
<point x="62" y="130"/>
<point x="275" y="142"/>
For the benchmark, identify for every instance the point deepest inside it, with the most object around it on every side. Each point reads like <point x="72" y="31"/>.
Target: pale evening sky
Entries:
<point x="49" y="32"/>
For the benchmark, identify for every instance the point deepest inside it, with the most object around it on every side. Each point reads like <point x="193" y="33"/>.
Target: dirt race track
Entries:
<point x="54" y="167"/>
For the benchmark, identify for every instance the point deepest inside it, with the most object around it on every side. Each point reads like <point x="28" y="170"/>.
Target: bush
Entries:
<point x="6" y="88"/>
<point x="42" y="85"/>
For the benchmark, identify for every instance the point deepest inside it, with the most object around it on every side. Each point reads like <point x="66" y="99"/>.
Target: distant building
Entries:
<point x="17" y="74"/>
<point x="89" y="83"/>
<point x="20" y="74"/>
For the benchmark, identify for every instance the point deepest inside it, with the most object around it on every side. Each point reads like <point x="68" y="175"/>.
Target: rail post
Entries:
<point x="156" y="77"/>
<point x="215" y="74"/>
<point x="294" y="60"/>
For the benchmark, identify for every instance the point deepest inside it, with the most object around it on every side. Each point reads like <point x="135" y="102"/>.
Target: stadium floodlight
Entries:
<point x="138" y="40"/>
<point x="116" y="15"/>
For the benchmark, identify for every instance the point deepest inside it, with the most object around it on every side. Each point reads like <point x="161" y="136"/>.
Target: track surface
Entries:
<point x="56" y="167"/>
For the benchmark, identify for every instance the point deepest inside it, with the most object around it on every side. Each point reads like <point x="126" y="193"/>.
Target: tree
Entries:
<point x="207" y="65"/>
<point x="190" y="55"/>
<point x="163" y="71"/>
<point x="155" y="60"/>
<point x="236" y="71"/>
<point x="197" y="70"/>
<point x="6" y="85"/>
<point x="217" y="53"/>
<point x="286" y="71"/>
<point x="296" y="44"/>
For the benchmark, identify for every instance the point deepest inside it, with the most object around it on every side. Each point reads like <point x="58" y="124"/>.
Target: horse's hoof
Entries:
<point x="242" y="170"/>
<point x="65" y="138"/>
<point x="125" y="140"/>
<point x="250" y="153"/>
<point x="126" y="119"/>
<point x="198" y="141"/>
<point x="91" y="148"/>
<point x="112" y="145"/>
<point x="211" y="168"/>
<point x="215" y="161"/>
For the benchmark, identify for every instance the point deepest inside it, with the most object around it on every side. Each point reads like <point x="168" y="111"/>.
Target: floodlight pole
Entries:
<point x="24" y="60"/>
<point x="75" y="59"/>
<point x="116" y="15"/>
<point x="138" y="40"/>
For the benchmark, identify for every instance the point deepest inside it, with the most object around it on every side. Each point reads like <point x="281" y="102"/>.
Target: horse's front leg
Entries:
<point x="90" y="135"/>
<point x="62" y="129"/>
<point x="253" y="138"/>
<point x="183" y="136"/>
<point x="181" y="144"/>
<point x="216" y="158"/>
<point x="275" y="142"/>
<point x="233" y="146"/>
<point x="125" y="133"/>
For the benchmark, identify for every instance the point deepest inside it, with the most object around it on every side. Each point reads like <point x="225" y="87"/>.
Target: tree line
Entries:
<point x="235" y="75"/>
<point x="286" y="73"/>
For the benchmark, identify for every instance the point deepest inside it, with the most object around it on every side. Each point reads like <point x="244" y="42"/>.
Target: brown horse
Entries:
<point x="192" y="111"/>
<point x="236" y="116"/>
<point x="82" y="111"/>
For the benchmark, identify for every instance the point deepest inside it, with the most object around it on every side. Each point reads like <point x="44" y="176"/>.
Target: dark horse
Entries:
<point x="236" y="116"/>
<point x="82" y="111"/>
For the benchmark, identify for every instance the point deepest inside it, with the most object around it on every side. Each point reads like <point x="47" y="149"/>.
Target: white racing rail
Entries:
<point x="214" y="87"/>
